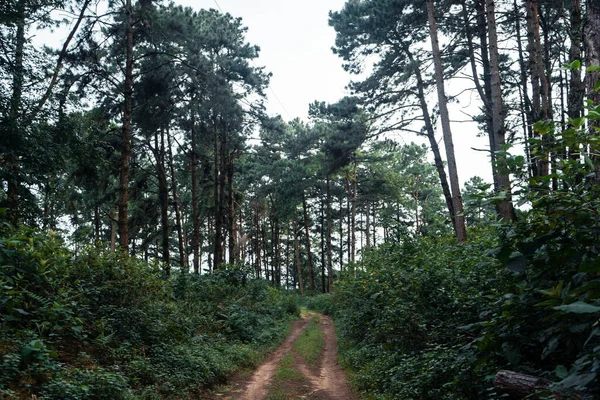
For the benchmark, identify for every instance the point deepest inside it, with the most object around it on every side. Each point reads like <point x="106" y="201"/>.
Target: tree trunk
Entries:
<point x="577" y="90"/>
<point x="430" y="132"/>
<point x="178" y="221"/>
<point x="592" y="50"/>
<point x="519" y="385"/>
<point x="219" y="195"/>
<point x="163" y="196"/>
<point x="233" y="257"/>
<point x="458" y="215"/>
<point x="526" y="108"/>
<point x="126" y="136"/>
<point x="329" y="234"/>
<point x="323" y="260"/>
<point x="504" y="208"/>
<point x="298" y="261"/>
<point x="539" y="82"/>
<point x="195" y="205"/>
<point x="308" y="249"/>
<point x="14" y="140"/>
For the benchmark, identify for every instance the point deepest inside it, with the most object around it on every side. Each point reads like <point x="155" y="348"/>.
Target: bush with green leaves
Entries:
<point x="100" y="325"/>
<point x="401" y="318"/>
<point x="547" y="322"/>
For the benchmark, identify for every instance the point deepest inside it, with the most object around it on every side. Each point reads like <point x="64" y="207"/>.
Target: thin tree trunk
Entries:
<point x="329" y="233"/>
<point x="539" y="82"/>
<point x="298" y="261"/>
<point x="195" y="202"/>
<point x="437" y="158"/>
<point x="354" y="195"/>
<point x="526" y="107"/>
<point x="126" y="137"/>
<point x="15" y="118"/>
<point x="233" y="257"/>
<point x="163" y="195"/>
<point x="178" y="222"/>
<point x="458" y="215"/>
<point x="219" y="196"/>
<point x="368" y="227"/>
<point x="504" y="208"/>
<point x="592" y="51"/>
<point x="323" y="261"/>
<point x="576" y="93"/>
<point x="308" y="249"/>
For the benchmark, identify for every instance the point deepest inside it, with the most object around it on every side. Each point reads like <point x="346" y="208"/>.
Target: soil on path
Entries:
<point x="327" y="382"/>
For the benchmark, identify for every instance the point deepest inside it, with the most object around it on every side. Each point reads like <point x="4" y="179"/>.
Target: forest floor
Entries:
<point x="290" y="372"/>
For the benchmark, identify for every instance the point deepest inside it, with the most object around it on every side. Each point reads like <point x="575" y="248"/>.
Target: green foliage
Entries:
<point x="142" y="333"/>
<point x="547" y="321"/>
<point x="428" y="318"/>
<point x="401" y="318"/>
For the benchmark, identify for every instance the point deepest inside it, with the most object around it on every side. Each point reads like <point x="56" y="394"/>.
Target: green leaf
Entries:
<point x="561" y="372"/>
<point x="579" y="307"/>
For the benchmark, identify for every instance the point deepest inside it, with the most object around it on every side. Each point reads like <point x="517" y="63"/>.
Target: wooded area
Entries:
<point x="145" y="139"/>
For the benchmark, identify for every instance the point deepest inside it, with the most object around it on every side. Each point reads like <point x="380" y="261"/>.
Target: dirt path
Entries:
<point x="327" y="382"/>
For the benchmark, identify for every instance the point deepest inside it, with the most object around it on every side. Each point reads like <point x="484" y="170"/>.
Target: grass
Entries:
<point x="285" y="373"/>
<point x="310" y="343"/>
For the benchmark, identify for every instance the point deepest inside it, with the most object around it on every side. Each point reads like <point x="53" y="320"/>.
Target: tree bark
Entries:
<point x="577" y="90"/>
<point x="126" y="136"/>
<point x="12" y="158"/>
<point x="308" y="248"/>
<point x="519" y="385"/>
<point x="298" y="261"/>
<point x="329" y="234"/>
<point x="430" y="132"/>
<point x="592" y="50"/>
<point x="504" y="208"/>
<point x="163" y="196"/>
<point x="458" y="215"/>
<point x="195" y="211"/>
<point x="178" y="221"/>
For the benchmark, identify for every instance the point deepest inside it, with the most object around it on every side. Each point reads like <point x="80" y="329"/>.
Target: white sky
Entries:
<point x="295" y="41"/>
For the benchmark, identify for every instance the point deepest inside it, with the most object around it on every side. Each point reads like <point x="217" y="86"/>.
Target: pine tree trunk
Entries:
<point x="526" y="106"/>
<point x="163" y="196"/>
<point x="126" y="136"/>
<point x="14" y="139"/>
<point x="437" y="158"/>
<point x="323" y="260"/>
<point x="329" y="234"/>
<point x="577" y="90"/>
<point x="219" y="196"/>
<point x="539" y="82"/>
<point x="504" y="208"/>
<point x="368" y="227"/>
<point x="354" y="196"/>
<point x="308" y="249"/>
<point x="458" y="215"/>
<point x="592" y="50"/>
<point x="178" y="221"/>
<point x="298" y="261"/>
<point x="233" y="257"/>
<point x="195" y="203"/>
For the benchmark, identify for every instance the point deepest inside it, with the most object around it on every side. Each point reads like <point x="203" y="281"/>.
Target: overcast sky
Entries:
<point x="295" y="40"/>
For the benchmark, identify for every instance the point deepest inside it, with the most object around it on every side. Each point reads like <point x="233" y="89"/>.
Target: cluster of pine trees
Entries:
<point x="147" y="129"/>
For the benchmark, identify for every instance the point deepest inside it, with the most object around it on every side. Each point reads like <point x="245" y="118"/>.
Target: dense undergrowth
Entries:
<point x="104" y="326"/>
<point x="428" y="318"/>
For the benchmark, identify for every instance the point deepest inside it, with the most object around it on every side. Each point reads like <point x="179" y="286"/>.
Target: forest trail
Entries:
<point x="326" y="381"/>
